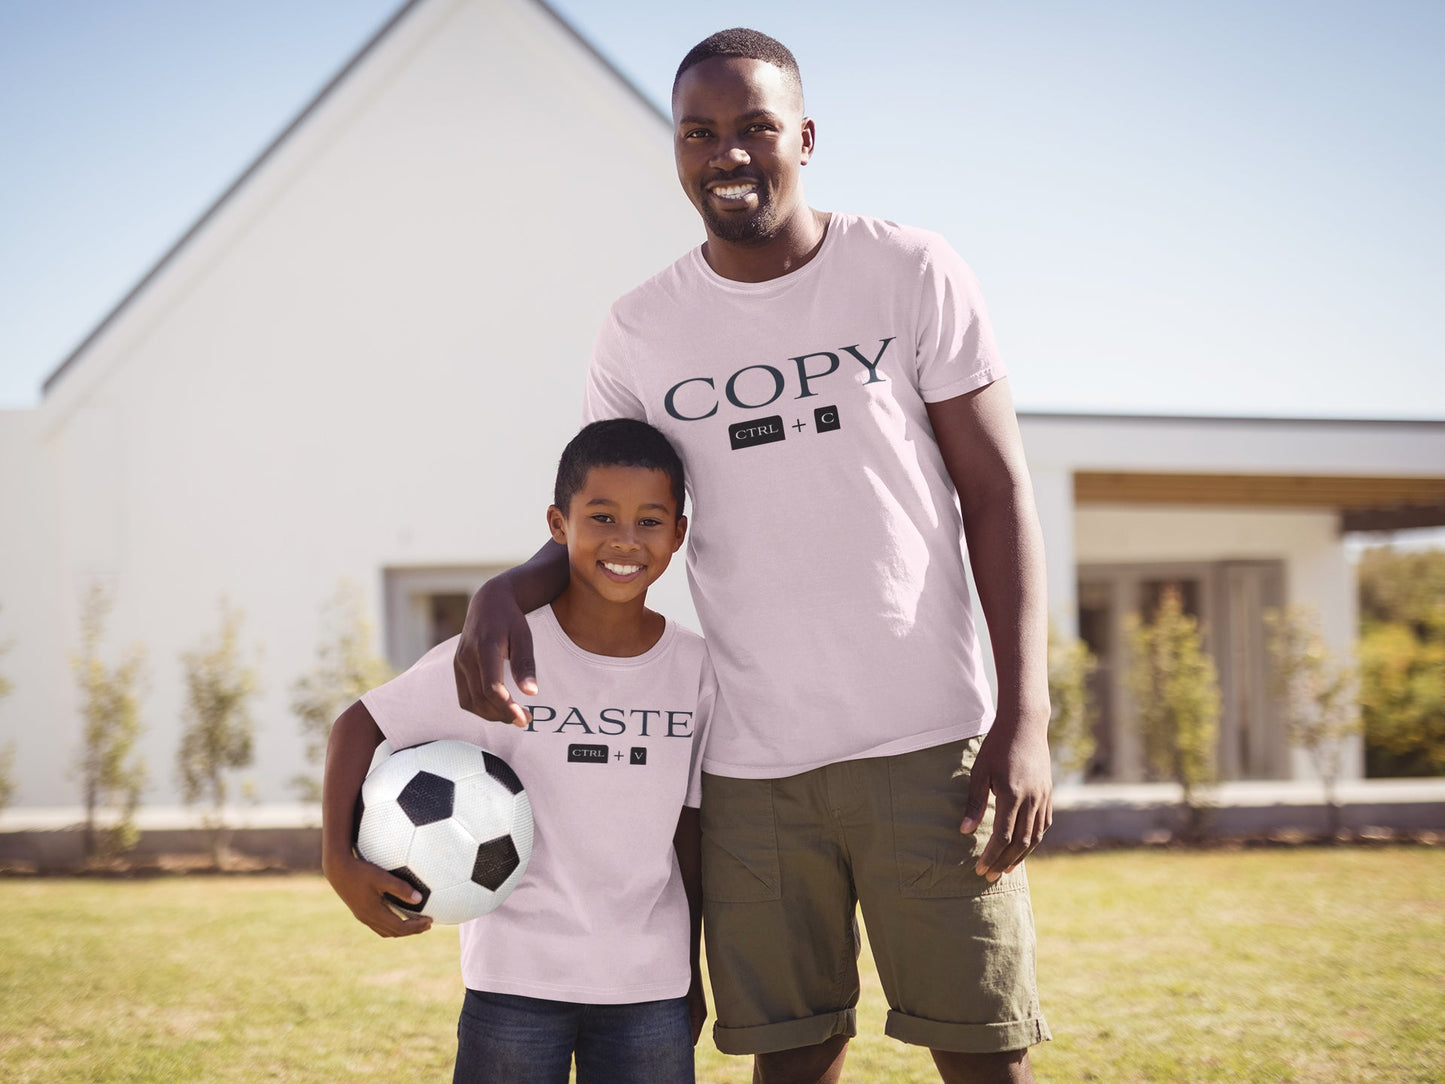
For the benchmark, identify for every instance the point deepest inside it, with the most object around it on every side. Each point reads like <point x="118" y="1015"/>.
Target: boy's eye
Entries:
<point x="649" y="523"/>
<point x="602" y="517"/>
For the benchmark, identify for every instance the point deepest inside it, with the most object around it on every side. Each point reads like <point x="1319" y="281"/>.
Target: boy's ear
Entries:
<point x="557" y="524"/>
<point x="681" y="533"/>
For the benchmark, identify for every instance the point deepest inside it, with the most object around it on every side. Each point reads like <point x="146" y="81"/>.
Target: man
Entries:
<point x="831" y="381"/>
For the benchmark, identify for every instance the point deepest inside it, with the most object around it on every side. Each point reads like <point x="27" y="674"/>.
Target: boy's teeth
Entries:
<point x="621" y="570"/>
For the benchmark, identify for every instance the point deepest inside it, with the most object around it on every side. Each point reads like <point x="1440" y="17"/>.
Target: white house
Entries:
<point x="361" y="363"/>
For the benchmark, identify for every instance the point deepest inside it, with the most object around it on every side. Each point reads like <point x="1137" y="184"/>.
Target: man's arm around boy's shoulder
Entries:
<point x="361" y="885"/>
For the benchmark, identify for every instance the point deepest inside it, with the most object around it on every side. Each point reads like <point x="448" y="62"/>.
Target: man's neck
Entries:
<point x="779" y="255"/>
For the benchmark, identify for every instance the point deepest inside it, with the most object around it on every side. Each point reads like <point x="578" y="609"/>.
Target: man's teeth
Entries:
<point x="620" y="570"/>
<point x="733" y="191"/>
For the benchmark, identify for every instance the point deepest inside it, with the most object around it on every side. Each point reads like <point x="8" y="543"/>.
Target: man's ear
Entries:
<point x="810" y="139"/>
<point x="557" y="524"/>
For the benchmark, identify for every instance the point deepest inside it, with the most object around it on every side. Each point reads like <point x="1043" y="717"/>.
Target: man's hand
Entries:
<point x="362" y="887"/>
<point x="495" y="630"/>
<point x="1015" y="769"/>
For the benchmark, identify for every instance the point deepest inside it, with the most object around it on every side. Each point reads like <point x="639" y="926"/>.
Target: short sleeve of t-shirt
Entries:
<point x="605" y="396"/>
<point x="956" y="350"/>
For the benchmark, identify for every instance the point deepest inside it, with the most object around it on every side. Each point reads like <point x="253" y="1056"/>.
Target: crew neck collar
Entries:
<point x="837" y="223"/>
<point x="549" y="619"/>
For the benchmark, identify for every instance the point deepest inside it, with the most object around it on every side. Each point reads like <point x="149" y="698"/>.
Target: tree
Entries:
<point x="1406" y="586"/>
<point x="112" y="774"/>
<point x="1402" y="701"/>
<point x="1176" y="698"/>
<point x="1316" y="695"/>
<point x="1402" y="661"/>
<point x="218" y="736"/>
<point x="346" y="666"/>
<point x="1072" y="712"/>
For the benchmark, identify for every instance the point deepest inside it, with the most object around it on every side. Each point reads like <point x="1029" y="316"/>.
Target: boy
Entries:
<point x="596" y="951"/>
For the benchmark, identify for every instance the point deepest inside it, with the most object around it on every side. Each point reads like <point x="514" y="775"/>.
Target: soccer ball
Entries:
<point x="451" y="819"/>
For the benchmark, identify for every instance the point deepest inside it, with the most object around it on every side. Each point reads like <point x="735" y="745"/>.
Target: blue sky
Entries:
<point x="1181" y="207"/>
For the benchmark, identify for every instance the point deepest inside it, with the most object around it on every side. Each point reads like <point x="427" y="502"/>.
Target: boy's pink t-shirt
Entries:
<point x="826" y="546"/>
<point x="613" y="754"/>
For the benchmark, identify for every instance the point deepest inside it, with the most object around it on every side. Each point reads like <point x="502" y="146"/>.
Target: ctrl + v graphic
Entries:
<point x="600" y="754"/>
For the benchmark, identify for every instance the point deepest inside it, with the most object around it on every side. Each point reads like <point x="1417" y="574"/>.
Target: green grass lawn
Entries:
<point x="1306" y="965"/>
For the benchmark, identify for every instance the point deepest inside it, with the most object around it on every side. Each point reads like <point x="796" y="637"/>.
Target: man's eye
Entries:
<point x="696" y="133"/>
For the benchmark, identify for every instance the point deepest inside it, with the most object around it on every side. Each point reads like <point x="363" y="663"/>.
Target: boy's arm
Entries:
<point x="687" y="842"/>
<point x="979" y="438"/>
<point x="496" y="629"/>
<point x="361" y="885"/>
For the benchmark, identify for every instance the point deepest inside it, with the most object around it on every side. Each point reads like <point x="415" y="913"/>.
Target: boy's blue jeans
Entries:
<point x="506" y="1039"/>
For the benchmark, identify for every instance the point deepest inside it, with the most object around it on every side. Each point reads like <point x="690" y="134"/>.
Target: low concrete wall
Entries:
<point x="1089" y="814"/>
<point x="60" y="851"/>
<point x="289" y="837"/>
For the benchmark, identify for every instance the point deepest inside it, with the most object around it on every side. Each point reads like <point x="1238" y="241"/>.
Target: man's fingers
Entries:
<point x="977" y="803"/>
<point x="1043" y="817"/>
<point x="524" y="663"/>
<point x="1002" y="843"/>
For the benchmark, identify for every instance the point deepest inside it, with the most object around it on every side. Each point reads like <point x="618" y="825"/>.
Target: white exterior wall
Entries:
<point x="371" y="356"/>
<point x="33" y="658"/>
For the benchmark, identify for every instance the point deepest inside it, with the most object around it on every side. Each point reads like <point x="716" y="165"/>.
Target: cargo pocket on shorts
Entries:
<point x="739" y="841"/>
<point x="929" y="791"/>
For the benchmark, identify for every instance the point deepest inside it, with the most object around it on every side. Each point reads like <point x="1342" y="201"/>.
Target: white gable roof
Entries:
<point x="514" y="46"/>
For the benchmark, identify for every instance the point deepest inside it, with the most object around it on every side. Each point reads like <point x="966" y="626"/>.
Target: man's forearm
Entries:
<point x="1006" y="553"/>
<point x="537" y="581"/>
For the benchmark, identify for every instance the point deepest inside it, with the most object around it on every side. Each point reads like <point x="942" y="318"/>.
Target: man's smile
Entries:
<point x="735" y="190"/>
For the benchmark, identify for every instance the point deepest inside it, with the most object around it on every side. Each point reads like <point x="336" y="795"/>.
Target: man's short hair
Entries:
<point x="616" y="442"/>
<point x="745" y="43"/>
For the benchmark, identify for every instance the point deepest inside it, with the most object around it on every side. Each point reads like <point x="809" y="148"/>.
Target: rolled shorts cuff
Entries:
<point x="788" y="1035"/>
<point x="967" y="1038"/>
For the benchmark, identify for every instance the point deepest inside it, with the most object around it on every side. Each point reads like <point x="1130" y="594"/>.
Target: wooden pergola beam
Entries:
<point x="1342" y="493"/>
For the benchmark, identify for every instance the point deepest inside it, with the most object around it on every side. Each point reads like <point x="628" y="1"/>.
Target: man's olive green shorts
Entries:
<point x="788" y="862"/>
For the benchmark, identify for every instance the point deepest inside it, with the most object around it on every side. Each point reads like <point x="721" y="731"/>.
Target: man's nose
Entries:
<point x="728" y="159"/>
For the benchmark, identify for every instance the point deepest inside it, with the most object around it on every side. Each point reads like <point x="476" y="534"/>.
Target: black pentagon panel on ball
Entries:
<point x="502" y="772"/>
<point x="412" y="879"/>
<point x="427" y="798"/>
<point x="496" y="859"/>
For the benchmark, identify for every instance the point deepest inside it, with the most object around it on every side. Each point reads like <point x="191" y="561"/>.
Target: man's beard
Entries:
<point x="742" y="229"/>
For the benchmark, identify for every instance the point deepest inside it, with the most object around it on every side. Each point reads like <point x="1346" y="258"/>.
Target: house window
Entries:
<point x="425" y="606"/>
<point x="1229" y="599"/>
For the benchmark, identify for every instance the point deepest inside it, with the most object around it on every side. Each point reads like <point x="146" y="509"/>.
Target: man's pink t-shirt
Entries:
<point x="825" y="552"/>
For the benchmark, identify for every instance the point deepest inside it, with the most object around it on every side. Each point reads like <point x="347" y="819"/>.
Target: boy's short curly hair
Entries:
<point x="617" y="442"/>
<point x="745" y="43"/>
